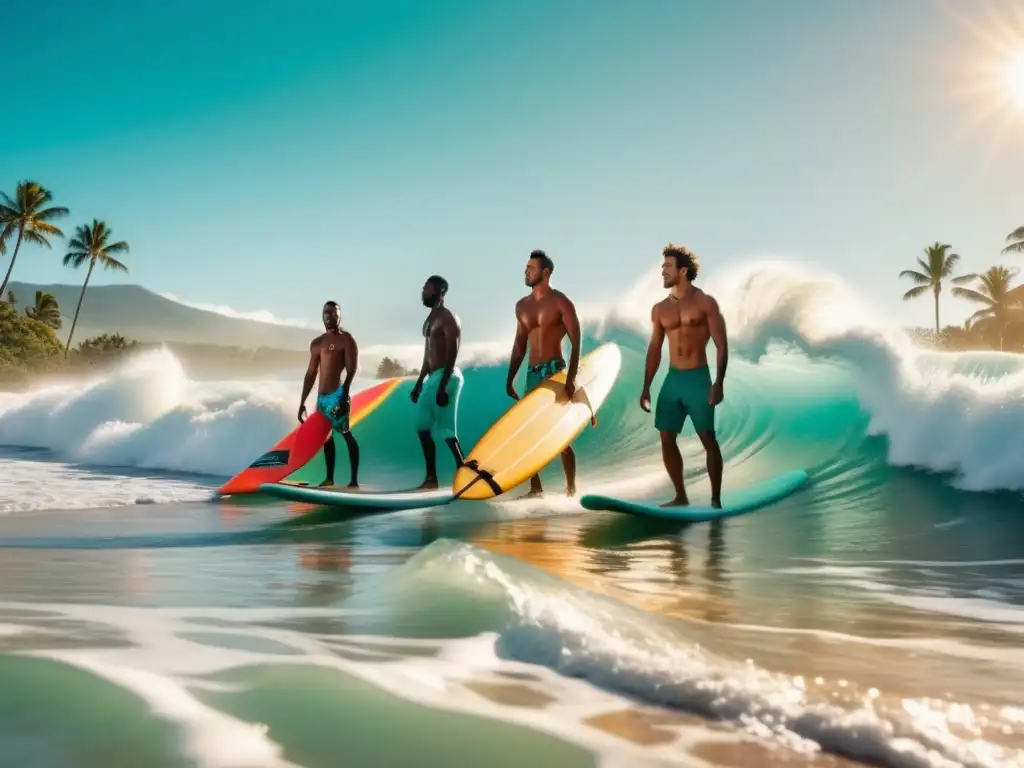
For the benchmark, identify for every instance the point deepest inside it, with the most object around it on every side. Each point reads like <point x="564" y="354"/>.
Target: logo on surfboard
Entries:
<point x="271" y="459"/>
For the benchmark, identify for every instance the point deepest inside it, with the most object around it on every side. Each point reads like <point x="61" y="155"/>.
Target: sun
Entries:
<point x="1014" y="77"/>
<point x="975" y="70"/>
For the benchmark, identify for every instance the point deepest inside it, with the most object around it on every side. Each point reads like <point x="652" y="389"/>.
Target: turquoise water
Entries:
<point x="875" y="615"/>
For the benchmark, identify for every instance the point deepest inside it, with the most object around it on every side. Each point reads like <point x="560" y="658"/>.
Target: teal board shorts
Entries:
<point x="327" y="403"/>
<point x="535" y="374"/>
<point x="430" y="417"/>
<point x="685" y="393"/>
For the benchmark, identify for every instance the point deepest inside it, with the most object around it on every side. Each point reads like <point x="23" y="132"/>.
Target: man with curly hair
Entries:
<point x="688" y="317"/>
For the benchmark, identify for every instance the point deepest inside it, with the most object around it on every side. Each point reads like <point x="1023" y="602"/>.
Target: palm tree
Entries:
<point x="935" y="267"/>
<point x="91" y="244"/>
<point x="27" y="215"/>
<point x="1002" y="302"/>
<point x="46" y="310"/>
<point x="1016" y="241"/>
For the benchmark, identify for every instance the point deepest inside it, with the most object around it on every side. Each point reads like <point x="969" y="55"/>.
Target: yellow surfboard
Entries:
<point x="537" y="428"/>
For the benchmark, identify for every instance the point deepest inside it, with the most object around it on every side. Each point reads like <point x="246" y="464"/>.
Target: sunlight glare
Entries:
<point x="1015" y="77"/>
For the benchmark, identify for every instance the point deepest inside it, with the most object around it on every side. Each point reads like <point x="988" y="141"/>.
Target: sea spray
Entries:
<point x="814" y="377"/>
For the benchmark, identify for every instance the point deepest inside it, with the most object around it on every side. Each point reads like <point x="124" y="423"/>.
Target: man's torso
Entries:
<point x="542" y="319"/>
<point x="437" y="323"/>
<point x="333" y="348"/>
<point x="685" y="322"/>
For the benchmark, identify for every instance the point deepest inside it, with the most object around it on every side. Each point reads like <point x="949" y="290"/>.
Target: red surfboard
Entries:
<point x="292" y="451"/>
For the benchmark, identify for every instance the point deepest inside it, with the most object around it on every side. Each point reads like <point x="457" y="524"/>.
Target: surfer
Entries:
<point x="438" y="388"/>
<point x="330" y="354"/>
<point x="544" y="319"/>
<point x="689" y="317"/>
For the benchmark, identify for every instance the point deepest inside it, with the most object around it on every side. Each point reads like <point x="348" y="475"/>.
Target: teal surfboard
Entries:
<point x="339" y="496"/>
<point x="734" y="503"/>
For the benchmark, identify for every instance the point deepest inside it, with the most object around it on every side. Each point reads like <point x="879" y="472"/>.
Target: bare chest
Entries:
<point x="540" y="314"/>
<point x="331" y="351"/>
<point x="683" y="317"/>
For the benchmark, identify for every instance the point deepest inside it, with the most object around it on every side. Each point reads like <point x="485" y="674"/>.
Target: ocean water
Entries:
<point x="876" y="617"/>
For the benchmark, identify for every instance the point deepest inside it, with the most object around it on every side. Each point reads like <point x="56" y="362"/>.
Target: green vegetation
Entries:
<point x="91" y="246"/>
<point x="389" y="368"/>
<point x="26" y="345"/>
<point x="28" y="342"/>
<point x="1016" y="241"/>
<point x="45" y="310"/>
<point x="29" y="347"/>
<point x="937" y="265"/>
<point x="27" y="216"/>
<point x="998" y="323"/>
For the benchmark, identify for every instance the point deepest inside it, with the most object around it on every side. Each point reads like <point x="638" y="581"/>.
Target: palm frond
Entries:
<point x="45" y="228"/>
<point x="951" y="261"/>
<point x="913" y="293"/>
<point x="52" y="213"/>
<point x="917" y="277"/>
<point x="31" y="236"/>
<point x="980" y="316"/>
<point x="965" y="279"/>
<point x="119" y="247"/>
<point x="110" y="262"/>
<point x="76" y="259"/>
<point x="972" y="295"/>
<point x="89" y="244"/>
<point x="1015" y="295"/>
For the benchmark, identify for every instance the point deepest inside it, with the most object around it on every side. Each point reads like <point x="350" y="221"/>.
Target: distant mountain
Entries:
<point x="140" y="314"/>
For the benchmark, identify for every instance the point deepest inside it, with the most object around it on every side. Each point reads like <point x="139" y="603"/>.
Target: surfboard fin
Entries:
<point x="593" y="416"/>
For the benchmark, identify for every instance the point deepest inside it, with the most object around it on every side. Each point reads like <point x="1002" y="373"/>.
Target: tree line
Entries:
<point x="998" y="322"/>
<point x="390" y="367"/>
<point x="28" y="342"/>
<point x="28" y="219"/>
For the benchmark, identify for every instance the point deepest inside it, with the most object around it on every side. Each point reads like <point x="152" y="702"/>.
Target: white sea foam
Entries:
<point x="938" y="412"/>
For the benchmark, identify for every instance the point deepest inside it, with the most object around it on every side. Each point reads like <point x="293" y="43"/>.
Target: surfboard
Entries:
<point x="537" y="428"/>
<point x="294" y="450"/>
<point x="734" y="503"/>
<point x="339" y="496"/>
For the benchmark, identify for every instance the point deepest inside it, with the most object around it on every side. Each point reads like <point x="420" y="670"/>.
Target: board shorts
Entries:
<point x="430" y="417"/>
<point x="535" y="374"/>
<point x="326" y="403"/>
<point x="685" y="393"/>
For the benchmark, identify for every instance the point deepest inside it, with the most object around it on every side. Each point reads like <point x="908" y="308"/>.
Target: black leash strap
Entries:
<point x="481" y="474"/>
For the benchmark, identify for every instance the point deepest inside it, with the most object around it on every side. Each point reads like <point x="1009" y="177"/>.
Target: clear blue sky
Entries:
<point x="269" y="155"/>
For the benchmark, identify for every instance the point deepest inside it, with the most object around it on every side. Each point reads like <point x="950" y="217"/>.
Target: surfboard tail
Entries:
<point x="290" y="453"/>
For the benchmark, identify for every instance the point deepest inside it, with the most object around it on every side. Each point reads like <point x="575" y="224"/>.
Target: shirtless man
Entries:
<point x="438" y="399"/>
<point x="329" y="354"/>
<point x="543" y="319"/>
<point x="689" y="317"/>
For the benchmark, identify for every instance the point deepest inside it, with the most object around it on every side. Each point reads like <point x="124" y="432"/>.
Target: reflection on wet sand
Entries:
<point x="653" y="574"/>
<point x="326" y="558"/>
<point x="527" y="540"/>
